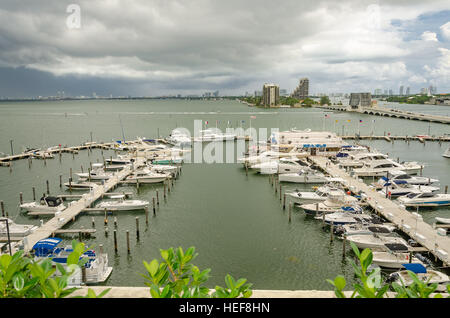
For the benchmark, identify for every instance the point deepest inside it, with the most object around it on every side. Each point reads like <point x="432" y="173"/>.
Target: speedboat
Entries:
<point x="359" y="159"/>
<point x="424" y="274"/>
<point x="214" y="135"/>
<point x="394" y="256"/>
<point x="344" y="217"/>
<point x="375" y="241"/>
<point x="442" y="220"/>
<point x="336" y="201"/>
<point x="46" y="204"/>
<point x="306" y="175"/>
<point x="120" y="160"/>
<point x="170" y="160"/>
<point x="400" y="177"/>
<point x="446" y="154"/>
<point x="96" y="268"/>
<point x="80" y="185"/>
<point x="284" y="165"/>
<point x="398" y="189"/>
<point x="364" y="228"/>
<point x="123" y="205"/>
<point x="143" y="176"/>
<point x="15" y="231"/>
<point x="347" y="150"/>
<point x="382" y="167"/>
<point x="319" y="195"/>
<point x="97" y="173"/>
<point x="162" y="168"/>
<point x="178" y="138"/>
<point x="425" y="199"/>
<point x="271" y="155"/>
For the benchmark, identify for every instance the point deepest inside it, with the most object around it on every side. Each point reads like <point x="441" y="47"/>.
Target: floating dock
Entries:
<point x="410" y="223"/>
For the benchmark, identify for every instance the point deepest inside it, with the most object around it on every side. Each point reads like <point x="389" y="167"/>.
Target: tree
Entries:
<point x="324" y="100"/>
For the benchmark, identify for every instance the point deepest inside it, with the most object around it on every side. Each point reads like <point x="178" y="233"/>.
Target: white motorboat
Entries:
<point x="15" y="231"/>
<point x="394" y="256"/>
<point x="120" y="160"/>
<point x="359" y="159"/>
<point x="96" y="268"/>
<point x="178" y="138"/>
<point x="270" y="155"/>
<point x="348" y="150"/>
<point x="446" y="154"/>
<point x="214" y="135"/>
<point x="424" y="274"/>
<point x="400" y="177"/>
<point x="374" y="241"/>
<point x="96" y="174"/>
<point x="365" y="229"/>
<point x="123" y="205"/>
<point x="319" y="195"/>
<point x="382" y="167"/>
<point x="80" y="185"/>
<point x="162" y="168"/>
<point x="442" y="220"/>
<point x="425" y="199"/>
<point x="143" y="176"/>
<point x="336" y="201"/>
<point x="345" y="217"/>
<point x="46" y="204"/>
<point x="306" y="175"/>
<point x="391" y="189"/>
<point x="284" y="165"/>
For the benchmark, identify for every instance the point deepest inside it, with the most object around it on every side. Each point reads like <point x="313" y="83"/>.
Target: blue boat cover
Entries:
<point x="384" y="179"/>
<point x="415" y="267"/>
<point x="400" y="182"/>
<point x="46" y="246"/>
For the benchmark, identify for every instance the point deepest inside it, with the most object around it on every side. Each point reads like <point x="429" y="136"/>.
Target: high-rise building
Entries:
<point x="358" y="100"/>
<point x="400" y="92"/>
<point x="424" y="91"/>
<point x="391" y="92"/>
<point x="385" y="92"/>
<point x="408" y="91"/>
<point x="302" y="90"/>
<point x="271" y="95"/>
<point x="378" y="92"/>
<point x="216" y="94"/>
<point x="432" y="89"/>
<point x="283" y="92"/>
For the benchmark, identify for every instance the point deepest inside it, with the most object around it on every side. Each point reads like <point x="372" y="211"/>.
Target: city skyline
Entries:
<point x="153" y="48"/>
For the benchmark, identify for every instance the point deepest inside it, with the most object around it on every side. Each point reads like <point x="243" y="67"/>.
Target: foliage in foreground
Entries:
<point x="176" y="277"/>
<point x="23" y="277"/>
<point x="371" y="285"/>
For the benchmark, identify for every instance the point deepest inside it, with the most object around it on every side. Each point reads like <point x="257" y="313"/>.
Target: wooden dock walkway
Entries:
<point x="76" y="207"/>
<point x="411" y="224"/>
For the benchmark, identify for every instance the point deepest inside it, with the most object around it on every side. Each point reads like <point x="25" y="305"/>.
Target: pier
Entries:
<point x="76" y="207"/>
<point x="409" y="223"/>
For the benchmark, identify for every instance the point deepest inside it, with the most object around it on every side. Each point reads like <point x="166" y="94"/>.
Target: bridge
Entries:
<point x="389" y="112"/>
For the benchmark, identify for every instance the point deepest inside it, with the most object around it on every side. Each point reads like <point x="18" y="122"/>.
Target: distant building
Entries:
<point x="424" y="91"/>
<point x="400" y="91"/>
<point x="216" y="94"/>
<point x="258" y="93"/>
<point x="358" y="100"/>
<point x="408" y="91"/>
<point x="391" y="92"/>
<point x="284" y="92"/>
<point x="385" y="92"/>
<point x="378" y="92"/>
<point x="302" y="90"/>
<point x="271" y="95"/>
<point x="432" y="89"/>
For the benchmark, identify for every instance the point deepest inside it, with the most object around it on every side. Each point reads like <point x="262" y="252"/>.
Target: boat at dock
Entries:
<point x="400" y="177"/>
<point x="446" y="154"/>
<point x="380" y="168"/>
<point x="284" y="165"/>
<point x="336" y="201"/>
<point x="96" y="174"/>
<point x="46" y="204"/>
<point x="428" y="199"/>
<point x="169" y="160"/>
<point x="359" y="159"/>
<point x="442" y="220"/>
<point x="145" y="176"/>
<point x="96" y="267"/>
<point x="364" y="228"/>
<point x="80" y="185"/>
<point x="14" y="230"/>
<point x="375" y="241"/>
<point x="214" y="135"/>
<point x="344" y="217"/>
<point x="394" y="256"/>
<point x="305" y="175"/>
<point x="424" y="274"/>
<point x="319" y="195"/>
<point x="399" y="189"/>
<point x="179" y="139"/>
<point x="119" y="203"/>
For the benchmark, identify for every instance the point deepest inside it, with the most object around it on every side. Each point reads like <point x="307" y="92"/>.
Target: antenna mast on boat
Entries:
<point x="121" y="126"/>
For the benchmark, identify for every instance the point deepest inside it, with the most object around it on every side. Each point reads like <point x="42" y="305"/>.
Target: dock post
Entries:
<point x="290" y="211"/>
<point x="137" y="228"/>
<point x="137" y="184"/>
<point x="157" y="197"/>
<point x="48" y="188"/>
<point x="93" y="223"/>
<point x="82" y="170"/>
<point x="446" y="189"/>
<point x="128" y="242"/>
<point x="115" y="241"/>
<point x="70" y="175"/>
<point x="246" y="170"/>
<point x="106" y="218"/>
<point x="164" y="190"/>
<point x="70" y="184"/>
<point x="343" y="245"/>
<point x="3" y="208"/>
<point x="168" y="186"/>
<point x="34" y="194"/>
<point x="60" y="181"/>
<point x="146" y="215"/>
<point x="73" y="155"/>
<point x="154" y="207"/>
<point x="284" y="201"/>
<point x="331" y="231"/>
<point x="29" y="163"/>
<point x="83" y="274"/>
<point x="21" y="198"/>
<point x="115" y="222"/>
<point x="280" y="193"/>
<point x="89" y="171"/>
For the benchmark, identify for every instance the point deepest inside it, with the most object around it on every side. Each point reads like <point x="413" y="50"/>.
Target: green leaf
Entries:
<point x="339" y="282"/>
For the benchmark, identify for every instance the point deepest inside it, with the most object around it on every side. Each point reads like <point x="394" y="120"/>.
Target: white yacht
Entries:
<point x="270" y="155"/>
<point x="80" y="185"/>
<point x="46" y="204"/>
<point x="178" y="138"/>
<point x="120" y="160"/>
<point x="123" y="205"/>
<point x="382" y="167"/>
<point x="375" y="241"/>
<point x="162" y="168"/>
<point x="305" y="175"/>
<point x="394" y="256"/>
<point x="319" y="195"/>
<point x="359" y="159"/>
<point x="16" y="231"/>
<point x="214" y="135"/>
<point x="284" y="165"/>
<point x="425" y="199"/>
<point x="345" y="217"/>
<point x="365" y="228"/>
<point x="424" y="274"/>
<point x="442" y="220"/>
<point x="401" y="177"/>
<point x="348" y="150"/>
<point x="96" y="268"/>
<point x="336" y="201"/>
<point x="398" y="189"/>
<point x="446" y="154"/>
<point x="143" y="176"/>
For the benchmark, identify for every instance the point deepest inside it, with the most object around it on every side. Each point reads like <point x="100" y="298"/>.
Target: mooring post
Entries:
<point x="106" y="218"/>
<point x="60" y="181"/>
<point x="164" y="189"/>
<point x="284" y="201"/>
<point x="446" y="189"/>
<point x="115" y="222"/>
<point x="137" y="228"/>
<point x="48" y="188"/>
<point x="115" y="241"/>
<point x="21" y="198"/>
<point x="89" y="171"/>
<point x="128" y="241"/>
<point x="34" y="194"/>
<point x="146" y="215"/>
<point x="343" y="244"/>
<point x="154" y="207"/>
<point x="157" y="197"/>
<point x="290" y="211"/>
<point x="70" y="184"/>
<point x="331" y="231"/>
<point x="93" y="223"/>
<point x="70" y="174"/>
<point x="3" y="208"/>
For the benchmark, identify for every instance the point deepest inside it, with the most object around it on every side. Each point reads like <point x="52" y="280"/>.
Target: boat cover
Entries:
<point x="46" y="246"/>
<point x="378" y="229"/>
<point x="415" y="268"/>
<point x="396" y="247"/>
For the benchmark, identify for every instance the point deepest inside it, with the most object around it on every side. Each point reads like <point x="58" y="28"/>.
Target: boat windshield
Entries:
<point x="412" y="195"/>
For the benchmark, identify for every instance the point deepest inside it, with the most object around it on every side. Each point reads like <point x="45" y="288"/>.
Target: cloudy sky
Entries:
<point x="163" y="47"/>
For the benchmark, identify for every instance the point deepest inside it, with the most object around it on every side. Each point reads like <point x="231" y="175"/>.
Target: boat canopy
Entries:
<point x="415" y="268"/>
<point x="52" y="201"/>
<point x="396" y="247"/>
<point x="46" y="246"/>
<point x="378" y="229"/>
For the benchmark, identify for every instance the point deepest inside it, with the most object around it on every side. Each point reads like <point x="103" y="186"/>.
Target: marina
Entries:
<point x="206" y="203"/>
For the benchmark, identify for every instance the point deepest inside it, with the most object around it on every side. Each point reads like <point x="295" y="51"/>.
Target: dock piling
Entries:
<point x="3" y="208"/>
<point x="137" y="228"/>
<point x="154" y="207"/>
<point x="48" y="188"/>
<point x="128" y="242"/>
<point x="34" y="194"/>
<point x="115" y="241"/>
<point x="21" y="198"/>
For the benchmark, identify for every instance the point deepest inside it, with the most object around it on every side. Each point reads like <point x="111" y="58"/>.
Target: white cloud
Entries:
<point x="429" y="36"/>
<point x="445" y="30"/>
